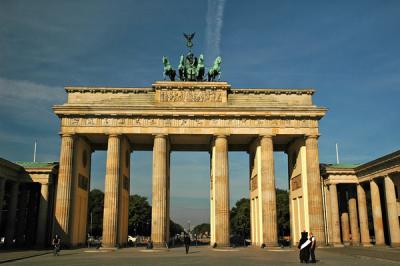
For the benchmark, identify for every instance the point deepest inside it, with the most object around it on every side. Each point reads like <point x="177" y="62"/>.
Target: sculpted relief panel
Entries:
<point x="192" y="96"/>
<point x="190" y="122"/>
<point x="199" y="96"/>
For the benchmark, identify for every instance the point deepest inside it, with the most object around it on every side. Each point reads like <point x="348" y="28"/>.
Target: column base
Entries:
<point x="394" y="245"/>
<point x="221" y="245"/>
<point x="355" y="244"/>
<point x="336" y="245"/>
<point x="160" y="245"/>
<point x="346" y="244"/>
<point x="108" y="249"/>
<point x="271" y="245"/>
<point x="366" y="245"/>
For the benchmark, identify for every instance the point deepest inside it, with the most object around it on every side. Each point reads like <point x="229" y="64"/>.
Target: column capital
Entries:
<point x="114" y="135"/>
<point x="224" y="136"/>
<point x="311" y="136"/>
<point x="261" y="136"/>
<point x="160" y="135"/>
<point x="67" y="135"/>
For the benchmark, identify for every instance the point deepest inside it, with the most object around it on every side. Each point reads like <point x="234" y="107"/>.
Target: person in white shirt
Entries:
<point x="312" y="247"/>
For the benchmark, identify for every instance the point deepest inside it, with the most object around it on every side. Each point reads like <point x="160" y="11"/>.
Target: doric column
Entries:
<point x="221" y="191"/>
<point x="334" y="216"/>
<point x="64" y="189"/>
<point x="377" y="213"/>
<point x="355" y="232"/>
<point x="2" y="191"/>
<point x="22" y="215"/>
<point x="270" y="234"/>
<point x="392" y="215"/>
<point x="111" y="193"/>
<point x="363" y="216"/>
<point x="41" y="230"/>
<point x="344" y="219"/>
<point x="160" y="215"/>
<point x="12" y="212"/>
<point x="315" y="205"/>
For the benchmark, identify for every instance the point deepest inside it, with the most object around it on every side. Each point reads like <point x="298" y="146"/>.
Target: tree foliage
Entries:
<point x="95" y="209"/>
<point x="139" y="221"/>
<point x="240" y="218"/>
<point x="201" y="229"/>
<point x="282" y="211"/>
<point x="174" y="228"/>
<point x="240" y="215"/>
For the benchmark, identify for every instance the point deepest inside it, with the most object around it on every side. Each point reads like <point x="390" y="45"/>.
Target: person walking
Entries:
<point x="313" y="244"/>
<point x="56" y="244"/>
<point x="186" y="241"/>
<point x="304" y="244"/>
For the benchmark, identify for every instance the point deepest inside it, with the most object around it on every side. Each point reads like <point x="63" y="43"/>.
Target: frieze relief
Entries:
<point x="196" y="96"/>
<point x="189" y="122"/>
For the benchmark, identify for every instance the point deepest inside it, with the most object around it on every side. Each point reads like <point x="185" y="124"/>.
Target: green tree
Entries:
<point x="174" y="228"/>
<point x="95" y="211"/>
<point x="201" y="229"/>
<point x="282" y="211"/>
<point x="139" y="221"/>
<point x="240" y="215"/>
<point x="240" y="218"/>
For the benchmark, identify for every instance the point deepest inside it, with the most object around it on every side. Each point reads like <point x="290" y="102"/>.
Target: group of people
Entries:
<point x="306" y="245"/>
<point x="307" y="248"/>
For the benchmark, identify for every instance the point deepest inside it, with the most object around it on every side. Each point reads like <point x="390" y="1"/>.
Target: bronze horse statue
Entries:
<point x="168" y="70"/>
<point x="215" y="70"/>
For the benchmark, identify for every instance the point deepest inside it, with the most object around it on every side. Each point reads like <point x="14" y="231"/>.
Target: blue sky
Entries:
<point x="347" y="50"/>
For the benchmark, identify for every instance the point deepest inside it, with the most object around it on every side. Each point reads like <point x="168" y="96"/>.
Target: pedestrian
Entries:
<point x="304" y="247"/>
<point x="56" y="244"/>
<point x="149" y="244"/>
<point x="313" y="244"/>
<point x="186" y="241"/>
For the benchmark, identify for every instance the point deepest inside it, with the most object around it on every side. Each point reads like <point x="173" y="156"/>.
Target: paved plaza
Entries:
<point x="206" y="256"/>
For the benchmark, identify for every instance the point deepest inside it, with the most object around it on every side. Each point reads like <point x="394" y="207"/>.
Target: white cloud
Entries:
<point x="27" y="92"/>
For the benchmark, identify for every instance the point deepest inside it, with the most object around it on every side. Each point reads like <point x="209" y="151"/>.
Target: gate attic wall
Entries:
<point x="208" y="116"/>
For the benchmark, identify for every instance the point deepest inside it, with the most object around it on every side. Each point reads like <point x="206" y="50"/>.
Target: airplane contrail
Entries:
<point x="214" y="22"/>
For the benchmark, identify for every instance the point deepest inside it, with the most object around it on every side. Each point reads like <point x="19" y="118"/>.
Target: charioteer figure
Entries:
<point x="190" y="67"/>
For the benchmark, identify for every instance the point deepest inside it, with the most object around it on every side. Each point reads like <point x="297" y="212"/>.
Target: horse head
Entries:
<point x="165" y="61"/>
<point x="218" y="61"/>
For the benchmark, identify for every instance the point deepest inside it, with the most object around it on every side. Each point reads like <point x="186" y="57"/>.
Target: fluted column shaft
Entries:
<point x="363" y="216"/>
<point x="64" y="188"/>
<point x="221" y="191"/>
<point x="355" y="232"/>
<point x="270" y="234"/>
<point x="315" y="205"/>
<point x="334" y="215"/>
<point x="392" y="215"/>
<point x="2" y="191"/>
<point x="344" y="219"/>
<point x="41" y="230"/>
<point x="160" y="215"/>
<point x="12" y="213"/>
<point x="377" y="213"/>
<point x="111" y="193"/>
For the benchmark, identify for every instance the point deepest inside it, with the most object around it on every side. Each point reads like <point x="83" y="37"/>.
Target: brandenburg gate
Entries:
<point x="189" y="116"/>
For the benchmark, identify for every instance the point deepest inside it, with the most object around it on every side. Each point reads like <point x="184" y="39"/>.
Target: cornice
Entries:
<point x="236" y="112"/>
<point x="108" y="90"/>
<point x="268" y="91"/>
